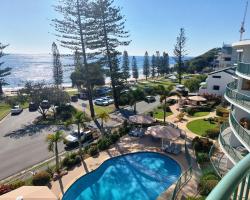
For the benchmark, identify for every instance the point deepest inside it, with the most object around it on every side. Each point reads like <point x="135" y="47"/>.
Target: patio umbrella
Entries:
<point x="30" y="193"/>
<point x="141" y="119"/>
<point x="197" y="98"/>
<point x="164" y="132"/>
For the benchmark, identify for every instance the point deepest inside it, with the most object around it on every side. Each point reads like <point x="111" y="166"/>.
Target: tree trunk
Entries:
<point x="164" y="111"/>
<point x="57" y="158"/>
<point x="79" y="140"/>
<point x="91" y="105"/>
<point x="1" y="89"/>
<point x="110" y="64"/>
<point x="135" y="108"/>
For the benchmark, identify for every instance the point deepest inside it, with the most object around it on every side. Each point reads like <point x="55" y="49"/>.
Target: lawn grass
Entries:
<point x="100" y="109"/>
<point x="200" y="126"/>
<point x="4" y="110"/>
<point x="159" y="114"/>
<point x="200" y="114"/>
<point x="71" y="92"/>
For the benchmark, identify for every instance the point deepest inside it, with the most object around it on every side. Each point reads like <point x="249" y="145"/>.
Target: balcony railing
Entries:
<point x="237" y="97"/>
<point x="242" y="132"/>
<point x="236" y="183"/>
<point x="244" y="68"/>
<point x="228" y="148"/>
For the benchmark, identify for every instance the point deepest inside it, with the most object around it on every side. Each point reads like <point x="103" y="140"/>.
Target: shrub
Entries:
<point x="207" y="186"/>
<point x="92" y="151"/>
<point x="4" y="189"/>
<point x="213" y="133"/>
<point x="201" y="144"/>
<point x="202" y="157"/>
<point x="103" y="143"/>
<point x="207" y="182"/>
<point x="41" y="178"/>
<point x="222" y="112"/>
<point x="114" y="137"/>
<point x="71" y="160"/>
<point x="196" y="198"/>
<point x="17" y="184"/>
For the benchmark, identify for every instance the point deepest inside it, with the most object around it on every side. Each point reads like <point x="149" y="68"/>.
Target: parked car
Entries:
<point x="72" y="139"/>
<point x="74" y="98"/>
<point x="101" y="102"/>
<point x="16" y="110"/>
<point x="45" y="104"/>
<point x="108" y="99"/>
<point x="33" y="106"/>
<point x="150" y="99"/>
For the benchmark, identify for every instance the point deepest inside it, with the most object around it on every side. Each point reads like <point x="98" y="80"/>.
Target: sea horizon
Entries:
<point x="38" y="67"/>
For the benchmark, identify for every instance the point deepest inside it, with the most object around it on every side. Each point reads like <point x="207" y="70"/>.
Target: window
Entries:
<point x="227" y="59"/>
<point x="245" y="84"/>
<point x="240" y="56"/>
<point x="216" y="76"/>
<point x="216" y="87"/>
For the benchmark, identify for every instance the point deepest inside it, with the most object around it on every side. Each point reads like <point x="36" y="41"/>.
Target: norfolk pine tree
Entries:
<point x="57" y="66"/>
<point x="73" y="32"/>
<point x="125" y="66"/>
<point x="3" y="72"/>
<point x="180" y="52"/>
<point x="153" y="66"/>
<point x="146" y="67"/>
<point x="135" y="69"/>
<point x="109" y="35"/>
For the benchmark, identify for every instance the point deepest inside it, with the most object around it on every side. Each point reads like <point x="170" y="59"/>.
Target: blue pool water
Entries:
<point x="136" y="176"/>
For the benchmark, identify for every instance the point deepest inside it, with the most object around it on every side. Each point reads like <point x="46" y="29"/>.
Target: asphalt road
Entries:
<point x="22" y="144"/>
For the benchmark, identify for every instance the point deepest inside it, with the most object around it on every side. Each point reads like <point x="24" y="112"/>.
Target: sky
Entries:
<point x="153" y="24"/>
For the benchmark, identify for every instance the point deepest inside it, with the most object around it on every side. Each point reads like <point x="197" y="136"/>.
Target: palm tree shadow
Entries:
<point x="85" y="166"/>
<point x="61" y="185"/>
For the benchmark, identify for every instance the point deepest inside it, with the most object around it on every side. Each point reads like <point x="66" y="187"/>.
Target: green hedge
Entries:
<point x="71" y="160"/>
<point x="41" y="178"/>
<point x="213" y="133"/>
<point x="207" y="182"/>
<point x="202" y="157"/>
<point x="222" y="112"/>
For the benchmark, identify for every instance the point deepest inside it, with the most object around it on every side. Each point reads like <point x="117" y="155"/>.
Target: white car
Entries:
<point x="101" y="102"/>
<point x="73" y="137"/>
<point x="108" y="99"/>
<point x="16" y="110"/>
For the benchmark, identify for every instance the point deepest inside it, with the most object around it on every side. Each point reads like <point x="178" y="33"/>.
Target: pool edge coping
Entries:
<point x="60" y="196"/>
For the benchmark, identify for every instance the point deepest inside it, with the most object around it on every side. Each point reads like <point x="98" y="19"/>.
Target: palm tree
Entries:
<point x="53" y="140"/>
<point x="165" y="93"/>
<point x="135" y="96"/>
<point x="80" y="120"/>
<point x="104" y="116"/>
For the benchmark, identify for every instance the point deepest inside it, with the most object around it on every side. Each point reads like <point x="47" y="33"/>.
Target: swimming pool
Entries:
<point x="135" y="176"/>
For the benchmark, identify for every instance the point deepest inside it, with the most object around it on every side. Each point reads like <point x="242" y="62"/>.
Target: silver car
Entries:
<point x="101" y="102"/>
<point x="16" y="110"/>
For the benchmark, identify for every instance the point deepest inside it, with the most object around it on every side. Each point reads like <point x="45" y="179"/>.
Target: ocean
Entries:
<point x="38" y="67"/>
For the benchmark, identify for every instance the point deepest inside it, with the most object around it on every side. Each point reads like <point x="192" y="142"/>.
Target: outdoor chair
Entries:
<point x="167" y="144"/>
<point x="171" y="148"/>
<point x="177" y="149"/>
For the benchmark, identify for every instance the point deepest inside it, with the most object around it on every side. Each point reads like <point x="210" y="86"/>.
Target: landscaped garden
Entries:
<point x="200" y="114"/>
<point x="158" y="112"/>
<point x="201" y="126"/>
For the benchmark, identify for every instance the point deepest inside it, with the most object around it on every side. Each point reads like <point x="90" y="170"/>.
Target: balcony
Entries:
<point x="224" y="137"/>
<point x="243" y="69"/>
<point x="242" y="133"/>
<point x="237" y="98"/>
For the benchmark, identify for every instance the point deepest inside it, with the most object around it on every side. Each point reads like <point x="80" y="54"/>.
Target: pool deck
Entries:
<point x="125" y="145"/>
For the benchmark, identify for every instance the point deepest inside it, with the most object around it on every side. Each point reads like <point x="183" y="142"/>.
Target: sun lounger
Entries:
<point x="171" y="148"/>
<point x="167" y="144"/>
<point x="177" y="149"/>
